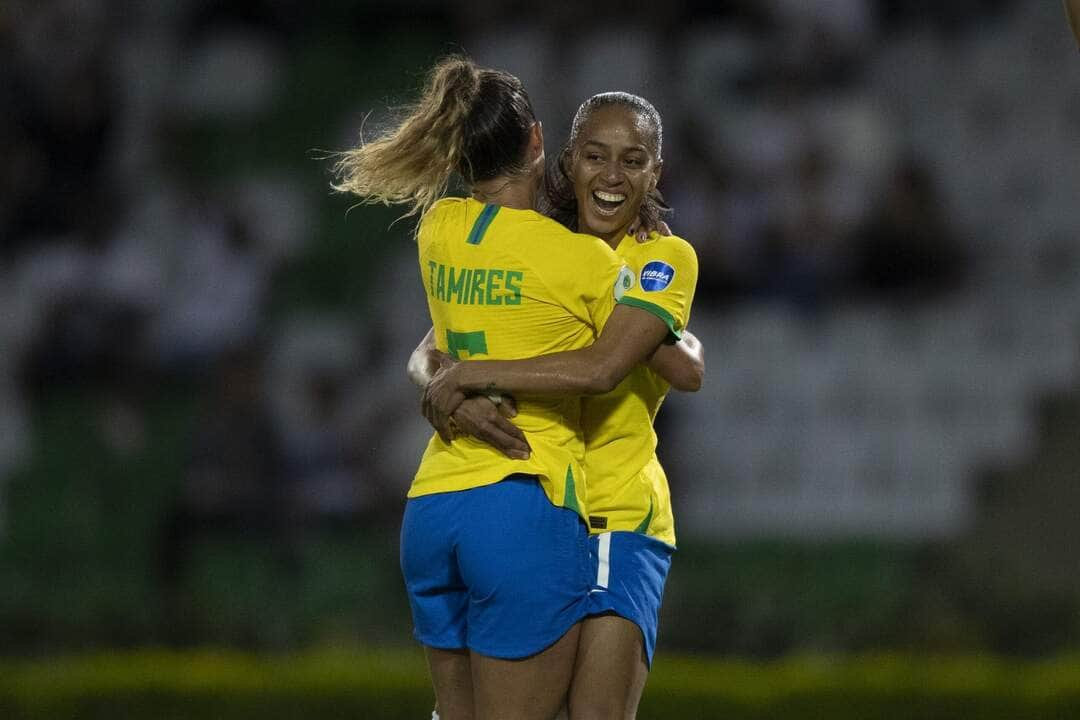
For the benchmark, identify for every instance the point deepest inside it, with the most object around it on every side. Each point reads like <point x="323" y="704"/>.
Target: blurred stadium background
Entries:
<point x="205" y="427"/>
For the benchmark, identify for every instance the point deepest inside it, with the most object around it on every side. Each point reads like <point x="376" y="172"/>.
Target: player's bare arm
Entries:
<point x="630" y="337"/>
<point x="681" y="364"/>
<point x="478" y="416"/>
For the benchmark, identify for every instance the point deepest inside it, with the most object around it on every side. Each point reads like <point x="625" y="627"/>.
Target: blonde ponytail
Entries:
<point x="411" y="164"/>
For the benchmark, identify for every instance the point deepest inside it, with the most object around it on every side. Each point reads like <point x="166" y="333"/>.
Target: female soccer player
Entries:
<point x="605" y="179"/>
<point x="494" y="551"/>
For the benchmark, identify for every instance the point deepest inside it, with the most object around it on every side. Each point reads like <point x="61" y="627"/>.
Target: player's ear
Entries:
<point x="536" y="141"/>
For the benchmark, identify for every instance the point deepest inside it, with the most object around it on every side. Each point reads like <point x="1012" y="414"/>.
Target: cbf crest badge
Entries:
<point x="623" y="282"/>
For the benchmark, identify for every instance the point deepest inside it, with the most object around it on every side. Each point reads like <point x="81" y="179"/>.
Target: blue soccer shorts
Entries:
<point x="628" y="572"/>
<point x="496" y="569"/>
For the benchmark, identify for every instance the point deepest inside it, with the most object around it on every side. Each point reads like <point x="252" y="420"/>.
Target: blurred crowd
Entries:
<point x="803" y="159"/>
<point x="117" y="266"/>
<point x="123" y="273"/>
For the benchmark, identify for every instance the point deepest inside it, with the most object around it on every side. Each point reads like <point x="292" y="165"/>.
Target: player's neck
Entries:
<point x="512" y="192"/>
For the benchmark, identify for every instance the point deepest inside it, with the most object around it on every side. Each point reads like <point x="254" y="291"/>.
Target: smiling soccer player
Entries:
<point x="606" y="181"/>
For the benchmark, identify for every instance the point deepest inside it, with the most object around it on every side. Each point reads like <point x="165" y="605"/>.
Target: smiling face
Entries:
<point x="613" y="165"/>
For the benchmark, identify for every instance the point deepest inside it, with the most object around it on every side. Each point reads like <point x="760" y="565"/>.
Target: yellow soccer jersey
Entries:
<point x="627" y="486"/>
<point x="506" y="284"/>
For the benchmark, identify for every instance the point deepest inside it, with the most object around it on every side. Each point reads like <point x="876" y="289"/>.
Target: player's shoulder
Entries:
<point x="550" y="239"/>
<point x="662" y="261"/>
<point x="445" y="208"/>
<point x="537" y="222"/>
<point x="591" y="243"/>
<point x="664" y="249"/>
<point x="446" y="212"/>
<point x="673" y="244"/>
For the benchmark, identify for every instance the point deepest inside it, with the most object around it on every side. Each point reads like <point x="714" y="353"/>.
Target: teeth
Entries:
<point x="609" y="197"/>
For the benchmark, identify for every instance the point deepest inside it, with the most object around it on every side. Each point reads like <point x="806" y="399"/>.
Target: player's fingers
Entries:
<point x="508" y="406"/>
<point x="447" y="403"/>
<point x="511" y="430"/>
<point x="444" y="359"/>
<point x="438" y="421"/>
<point x="426" y="411"/>
<point x="445" y="431"/>
<point x="500" y="437"/>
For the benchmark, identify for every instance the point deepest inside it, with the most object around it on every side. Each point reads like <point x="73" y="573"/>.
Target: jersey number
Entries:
<point x="463" y="345"/>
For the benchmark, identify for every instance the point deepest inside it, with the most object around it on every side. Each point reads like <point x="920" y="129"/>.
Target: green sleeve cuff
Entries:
<point x="656" y="310"/>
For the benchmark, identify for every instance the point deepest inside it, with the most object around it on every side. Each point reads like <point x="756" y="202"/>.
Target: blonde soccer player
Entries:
<point x="494" y="550"/>
<point x="605" y="180"/>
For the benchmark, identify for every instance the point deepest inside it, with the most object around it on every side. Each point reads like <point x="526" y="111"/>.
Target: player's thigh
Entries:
<point x="532" y="688"/>
<point x="610" y="670"/>
<point x="451" y="675"/>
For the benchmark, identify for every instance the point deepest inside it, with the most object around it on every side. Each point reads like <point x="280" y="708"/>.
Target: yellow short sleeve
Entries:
<point x="666" y="279"/>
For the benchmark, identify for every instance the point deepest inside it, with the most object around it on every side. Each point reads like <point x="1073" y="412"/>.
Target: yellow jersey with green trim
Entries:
<point x="506" y="284"/>
<point x="628" y="489"/>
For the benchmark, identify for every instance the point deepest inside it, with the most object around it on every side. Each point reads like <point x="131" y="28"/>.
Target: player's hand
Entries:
<point x="425" y="360"/>
<point x="443" y="360"/>
<point x="442" y="396"/>
<point x="641" y="231"/>
<point x="443" y="424"/>
<point x="481" y="418"/>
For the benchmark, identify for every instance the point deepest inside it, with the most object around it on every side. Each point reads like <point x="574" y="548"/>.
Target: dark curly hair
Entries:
<point x="561" y="202"/>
